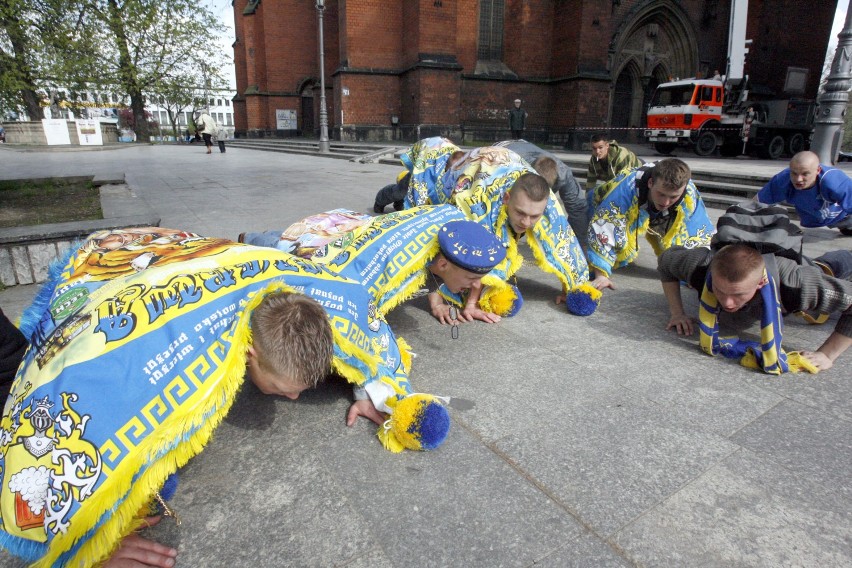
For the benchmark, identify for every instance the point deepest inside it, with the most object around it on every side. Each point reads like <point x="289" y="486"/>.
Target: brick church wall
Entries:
<point x="417" y="59"/>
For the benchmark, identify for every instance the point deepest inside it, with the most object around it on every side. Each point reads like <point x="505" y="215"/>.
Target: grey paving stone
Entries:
<point x="805" y="441"/>
<point x="41" y="255"/>
<point x="610" y="459"/>
<point x="745" y="511"/>
<point x="586" y="551"/>
<point x="21" y="264"/>
<point x="459" y="506"/>
<point x="371" y="559"/>
<point x="7" y="271"/>
<point x="62" y="248"/>
<point x="108" y="178"/>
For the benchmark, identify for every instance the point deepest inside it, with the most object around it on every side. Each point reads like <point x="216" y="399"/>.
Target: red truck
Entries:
<point x="705" y="114"/>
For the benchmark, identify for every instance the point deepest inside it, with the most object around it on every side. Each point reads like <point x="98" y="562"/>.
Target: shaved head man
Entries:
<point x="821" y="194"/>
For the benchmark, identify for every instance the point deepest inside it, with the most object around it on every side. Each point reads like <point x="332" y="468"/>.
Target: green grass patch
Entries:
<point x="47" y="201"/>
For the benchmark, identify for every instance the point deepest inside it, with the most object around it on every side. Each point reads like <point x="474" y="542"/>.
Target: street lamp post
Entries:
<point x="323" y="141"/>
<point x="828" y="129"/>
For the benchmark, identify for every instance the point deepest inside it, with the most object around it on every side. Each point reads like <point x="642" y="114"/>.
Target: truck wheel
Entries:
<point x="796" y="143"/>
<point x="774" y="147"/>
<point x="705" y="144"/>
<point x="731" y="149"/>
<point x="665" y="148"/>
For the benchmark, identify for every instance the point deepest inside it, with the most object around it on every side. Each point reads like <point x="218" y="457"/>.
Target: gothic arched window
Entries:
<point x="490" y="30"/>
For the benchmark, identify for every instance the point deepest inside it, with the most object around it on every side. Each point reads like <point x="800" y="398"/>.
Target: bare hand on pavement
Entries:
<point x="366" y="409"/>
<point x="138" y="552"/>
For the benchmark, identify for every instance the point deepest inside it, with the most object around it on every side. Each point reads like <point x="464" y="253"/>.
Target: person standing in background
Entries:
<point x="206" y="126"/>
<point x="221" y="136"/>
<point x="517" y="120"/>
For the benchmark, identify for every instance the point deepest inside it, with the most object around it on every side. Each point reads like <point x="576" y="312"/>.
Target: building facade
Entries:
<point x="406" y="69"/>
<point x="106" y="106"/>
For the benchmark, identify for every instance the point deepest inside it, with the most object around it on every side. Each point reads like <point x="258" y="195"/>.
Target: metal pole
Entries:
<point x="323" y="141"/>
<point x="828" y="126"/>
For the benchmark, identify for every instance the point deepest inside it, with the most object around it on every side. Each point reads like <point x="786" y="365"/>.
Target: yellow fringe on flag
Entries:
<point x="541" y="262"/>
<point x="140" y="492"/>
<point x="405" y="353"/>
<point x="414" y="265"/>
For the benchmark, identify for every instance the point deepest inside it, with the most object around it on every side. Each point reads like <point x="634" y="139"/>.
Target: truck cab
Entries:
<point x="682" y="111"/>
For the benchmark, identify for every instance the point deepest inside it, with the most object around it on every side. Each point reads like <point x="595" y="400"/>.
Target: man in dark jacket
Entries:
<point x="739" y="274"/>
<point x="517" y="120"/>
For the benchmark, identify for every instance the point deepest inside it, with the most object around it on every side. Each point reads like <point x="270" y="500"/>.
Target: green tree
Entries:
<point x="35" y="37"/>
<point x="130" y="46"/>
<point x="177" y="95"/>
<point x="148" y="43"/>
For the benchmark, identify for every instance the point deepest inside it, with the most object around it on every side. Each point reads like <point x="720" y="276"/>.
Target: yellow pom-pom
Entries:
<point x="500" y="301"/>
<point x="389" y="440"/>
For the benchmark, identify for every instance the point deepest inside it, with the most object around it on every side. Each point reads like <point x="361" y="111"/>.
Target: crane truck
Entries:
<point x="704" y="114"/>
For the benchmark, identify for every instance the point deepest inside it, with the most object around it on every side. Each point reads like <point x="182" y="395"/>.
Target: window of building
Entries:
<point x="210" y="102"/>
<point x="227" y="103"/>
<point x="490" y="46"/>
<point x="797" y="80"/>
<point x="230" y="118"/>
<point x="84" y="96"/>
<point x="218" y="102"/>
<point x="251" y="7"/>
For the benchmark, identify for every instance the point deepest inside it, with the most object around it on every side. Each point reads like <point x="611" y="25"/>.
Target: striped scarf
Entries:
<point x="767" y="354"/>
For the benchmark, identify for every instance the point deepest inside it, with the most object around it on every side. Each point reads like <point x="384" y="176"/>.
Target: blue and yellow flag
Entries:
<point x="389" y="256"/>
<point x="427" y="160"/>
<point x="137" y="350"/>
<point x="476" y="183"/>
<point x="616" y="221"/>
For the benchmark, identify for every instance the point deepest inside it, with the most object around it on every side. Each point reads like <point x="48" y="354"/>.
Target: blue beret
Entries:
<point x="471" y="246"/>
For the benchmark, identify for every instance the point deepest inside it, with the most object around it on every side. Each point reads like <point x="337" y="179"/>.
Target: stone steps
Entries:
<point x="719" y="190"/>
<point x="355" y="152"/>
